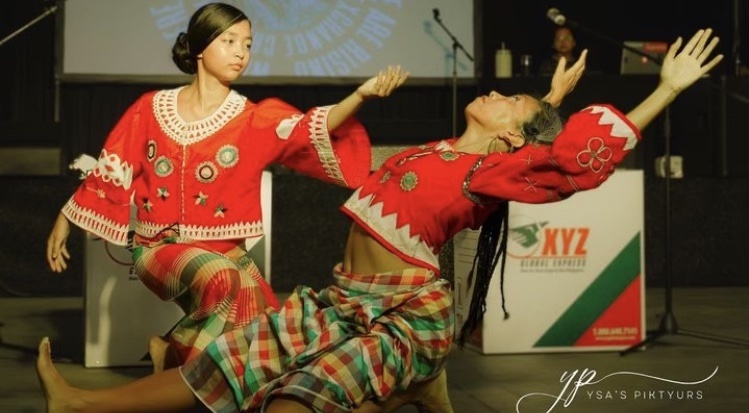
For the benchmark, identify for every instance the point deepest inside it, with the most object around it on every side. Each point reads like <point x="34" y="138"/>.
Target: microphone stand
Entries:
<point x="668" y="324"/>
<point x="47" y="12"/>
<point x="456" y="46"/>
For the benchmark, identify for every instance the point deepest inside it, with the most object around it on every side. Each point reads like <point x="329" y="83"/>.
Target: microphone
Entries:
<point x="556" y="16"/>
<point x="436" y="13"/>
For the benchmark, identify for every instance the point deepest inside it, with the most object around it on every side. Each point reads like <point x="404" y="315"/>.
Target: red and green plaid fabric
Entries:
<point x="219" y="292"/>
<point x="360" y="339"/>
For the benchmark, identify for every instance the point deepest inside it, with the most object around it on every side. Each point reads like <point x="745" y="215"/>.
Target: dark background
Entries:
<point x="603" y="26"/>
<point x="696" y="228"/>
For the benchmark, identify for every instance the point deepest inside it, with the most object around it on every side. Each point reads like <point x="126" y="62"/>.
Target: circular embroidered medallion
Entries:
<point x="409" y="181"/>
<point x="163" y="166"/>
<point x="385" y="177"/>
<point x="449" y="156"/>
<point x="151" y="151"/>
<point x="227" y="156"/>
<point x="206" y="172"/>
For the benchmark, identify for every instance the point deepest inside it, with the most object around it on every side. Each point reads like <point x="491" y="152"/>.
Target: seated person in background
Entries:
<point x="564" y="47"/>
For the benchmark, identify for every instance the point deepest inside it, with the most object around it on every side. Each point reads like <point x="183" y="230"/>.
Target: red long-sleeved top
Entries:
<point x="203" y="178"/>
<point x="420" y="198"/>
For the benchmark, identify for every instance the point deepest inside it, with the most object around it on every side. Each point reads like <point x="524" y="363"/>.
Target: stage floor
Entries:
<point x="674" y="373"/>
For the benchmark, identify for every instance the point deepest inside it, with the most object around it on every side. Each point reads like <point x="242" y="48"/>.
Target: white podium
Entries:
<point x="122" y="314"/>
<point x="574" y="276"/>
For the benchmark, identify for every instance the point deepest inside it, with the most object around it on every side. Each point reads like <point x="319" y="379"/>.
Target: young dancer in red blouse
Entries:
<point x="190" y="161"/>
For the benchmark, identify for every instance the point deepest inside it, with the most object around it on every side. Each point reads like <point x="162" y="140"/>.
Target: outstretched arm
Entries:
<point x="381" y="85"/>
<point x="564" y="81"/>
<point x="679" y="71"/>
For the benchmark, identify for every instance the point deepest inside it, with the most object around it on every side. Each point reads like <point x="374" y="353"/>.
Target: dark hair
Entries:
<point x="207" y="23"/>
<point x="484" y="262"/>
<point x="541" y="128"/>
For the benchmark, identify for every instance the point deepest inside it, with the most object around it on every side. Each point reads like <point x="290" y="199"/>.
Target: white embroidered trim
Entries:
<point x="318" y="129"/>
<point x="110" y="168"/>
<point x="187" y="133"/>
<point x="386" y="226"/>
<point x="96" y="223"/>
<point x="619" y="128"/>
<point x="194" y="232"/>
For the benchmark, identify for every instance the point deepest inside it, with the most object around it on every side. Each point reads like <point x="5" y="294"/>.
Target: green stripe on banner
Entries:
<point x="595" y="299"/>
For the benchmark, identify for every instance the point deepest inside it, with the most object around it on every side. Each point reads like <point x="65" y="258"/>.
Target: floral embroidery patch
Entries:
<point x="409" y="180"/>
<point x="227" y="156"/>
<point x="206" y="172"/>
<point x="201" y="198"/>
<point x="163" y="167"/>
<point x="147" y="205"/>
<point x="219" y="211"/>
<point x="110" y="168"/>
<point x="162" y="192"/>
<point x="595" y="156"/>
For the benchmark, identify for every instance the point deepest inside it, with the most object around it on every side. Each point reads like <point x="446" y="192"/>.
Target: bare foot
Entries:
<point x="157" y="348"/>
<point x="61" y="397"/>
<point x="429" y="396"/>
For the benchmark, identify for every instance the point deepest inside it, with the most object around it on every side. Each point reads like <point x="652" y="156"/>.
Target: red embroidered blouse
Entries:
<point x="420" y="198"/>
<point x="203" y="178"/>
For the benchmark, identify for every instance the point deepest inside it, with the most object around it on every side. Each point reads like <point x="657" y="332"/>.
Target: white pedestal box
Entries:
<point x="122" y="314"/>
<point x="574" y="276"/>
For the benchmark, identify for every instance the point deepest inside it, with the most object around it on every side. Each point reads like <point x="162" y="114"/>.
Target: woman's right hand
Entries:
<point x="383" y="84"/>
<point x="57" y="250"/>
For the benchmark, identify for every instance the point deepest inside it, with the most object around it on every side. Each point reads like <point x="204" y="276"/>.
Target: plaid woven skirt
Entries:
<point x="218" y="290"/>
<point x="360" y="339"/>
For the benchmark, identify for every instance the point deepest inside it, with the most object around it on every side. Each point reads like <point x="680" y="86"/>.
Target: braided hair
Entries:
<point x="484" y="263"/>
<point x="542" y="128"/>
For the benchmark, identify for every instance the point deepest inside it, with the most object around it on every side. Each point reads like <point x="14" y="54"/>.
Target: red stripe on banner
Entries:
<point x="621" y="323"/>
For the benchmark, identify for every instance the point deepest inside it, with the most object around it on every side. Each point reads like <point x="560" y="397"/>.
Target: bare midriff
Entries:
<point x="365" y="255"/>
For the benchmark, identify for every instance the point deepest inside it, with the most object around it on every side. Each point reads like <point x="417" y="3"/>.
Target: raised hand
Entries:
<point x="679" y="71"/>
<point x="384" y="83"/>
<point x="564" y="81"/>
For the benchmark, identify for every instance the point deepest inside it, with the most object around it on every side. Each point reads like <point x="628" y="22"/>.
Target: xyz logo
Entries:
<point x="538" y="240"/>
<point x="565" y="242"/>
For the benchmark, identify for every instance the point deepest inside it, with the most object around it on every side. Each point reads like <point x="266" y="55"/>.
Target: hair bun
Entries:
<point x="181" y="54"/>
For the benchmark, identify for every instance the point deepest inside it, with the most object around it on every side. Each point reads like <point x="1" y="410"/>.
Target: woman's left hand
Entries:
<point x="564" y="81"/>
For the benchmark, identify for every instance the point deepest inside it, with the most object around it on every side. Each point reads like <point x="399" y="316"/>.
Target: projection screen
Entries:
<point x="311" y="40"/>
